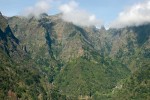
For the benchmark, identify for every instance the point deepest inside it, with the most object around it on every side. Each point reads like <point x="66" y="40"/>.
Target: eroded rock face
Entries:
<point x="8" y="42"/>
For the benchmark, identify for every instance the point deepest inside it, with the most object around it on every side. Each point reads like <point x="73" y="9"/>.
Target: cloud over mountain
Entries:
<point x="136" y="15"/>
<point x="41" y="6"/>
<point x="73" y="13"/>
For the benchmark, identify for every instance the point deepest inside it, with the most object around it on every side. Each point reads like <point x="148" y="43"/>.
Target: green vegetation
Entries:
<point x="89" y="77"/>
<point x="137" y="86"/>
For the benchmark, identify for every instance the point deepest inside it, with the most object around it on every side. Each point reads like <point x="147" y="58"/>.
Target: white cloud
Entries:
<point x="72" y="13"/>
<point x="136" y="15"/>
<point x="42" y="6"/>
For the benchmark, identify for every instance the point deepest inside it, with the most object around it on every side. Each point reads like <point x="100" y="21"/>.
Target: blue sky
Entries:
<point x="107" y="10"/>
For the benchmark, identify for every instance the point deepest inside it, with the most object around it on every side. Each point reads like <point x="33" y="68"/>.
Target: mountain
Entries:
<point x="74" y="48"/>
<point x="54" y="59"/>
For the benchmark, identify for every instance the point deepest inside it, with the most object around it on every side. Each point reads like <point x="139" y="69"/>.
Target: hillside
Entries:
<point x="137" y="86"/>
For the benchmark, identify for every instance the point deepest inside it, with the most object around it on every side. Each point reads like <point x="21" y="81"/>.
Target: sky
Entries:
<point x="89" y="12"/>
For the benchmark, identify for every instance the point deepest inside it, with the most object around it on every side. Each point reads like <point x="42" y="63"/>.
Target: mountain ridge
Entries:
<point x="68" y="56"/>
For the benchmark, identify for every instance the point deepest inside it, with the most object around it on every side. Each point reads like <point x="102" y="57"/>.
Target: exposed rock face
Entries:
<point x="8" y="42"/>
<point x="49" y="35"/>
<point x="3" y="22"/>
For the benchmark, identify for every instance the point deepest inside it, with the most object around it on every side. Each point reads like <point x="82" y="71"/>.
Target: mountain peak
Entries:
<point x="43" y="15"/>
<point x="0" y="13"/>
<point x="3" y="22"/>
